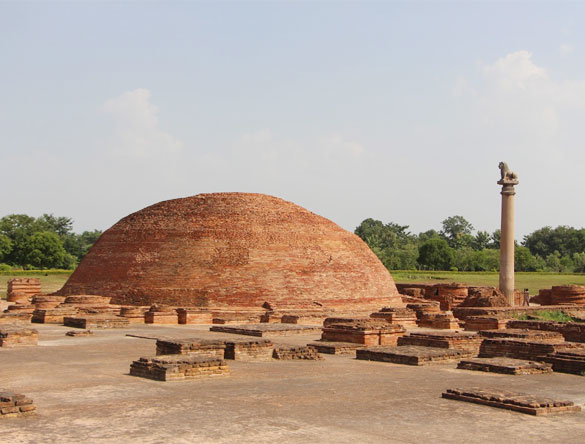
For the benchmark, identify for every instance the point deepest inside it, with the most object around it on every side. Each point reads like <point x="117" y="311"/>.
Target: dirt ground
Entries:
<point x="84" y="394"/>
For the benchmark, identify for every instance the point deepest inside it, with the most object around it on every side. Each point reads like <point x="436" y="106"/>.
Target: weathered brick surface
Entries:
<point x="232" y="249"/>
<point x="411" y="355"/>
<point x="361" y="331"/>
<point x="13" y="405"/>
<point x="12" y="336"/>
<point x="397" y="315"/>
<point x="453" y="340"/>
<point x="261" y="330"/>
<point x="477" y="323"/>
<point x="179" y="367"/>
<point x="194" y="316"/>
<point x="15" y="318"/>
<point x="518" y="402"/>
<point x="295" y="353"/>
<point x="444" y="320"/>
<point x="96" y="322"/>
<point x="567" y="361"/>
<point x="505" y="366"/>
<point x="205" y="347"/>
<point x="22" y="289"/>
<point x="571" y="331"/>
<point x="568" y="294"/>
<point x="336" y="348"/>
<point x="524" y="333"/>
<point x="528" y="349"/>
<point x="249" y="350"/>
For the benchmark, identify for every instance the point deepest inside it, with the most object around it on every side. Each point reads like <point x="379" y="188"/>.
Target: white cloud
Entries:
<point x="137" y="132"/>
<point x="566" y="49"/>
<point x="515" y="70"/>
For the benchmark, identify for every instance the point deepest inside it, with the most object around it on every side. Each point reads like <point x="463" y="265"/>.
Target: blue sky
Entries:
<point x="396" y="111"/>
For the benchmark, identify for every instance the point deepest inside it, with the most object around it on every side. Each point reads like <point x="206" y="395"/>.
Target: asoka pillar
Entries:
<point x="508" y="181"/>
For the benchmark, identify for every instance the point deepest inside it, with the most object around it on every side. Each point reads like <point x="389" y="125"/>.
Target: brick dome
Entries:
<point x="232" y="250"/>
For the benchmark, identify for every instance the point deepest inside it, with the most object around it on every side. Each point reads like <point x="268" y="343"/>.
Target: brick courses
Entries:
<point x="411" y="355"/>
<point x="13" y="405"/>
<point x="571" y="331"/>
<point x="296" y="353"/>
<point x="505" y="366"/>
<point x="518" y="402"/>
<point x="449" y="339"/>
<point x="13" y="336"/>
<point x="96" y="322"/>
<point x="232" y="250"/>
<point x="179" y="367"/>
<point x="207" y="347"/>
<point x="249" y="350"/>
<point x="361" y="331"/>
<point x="22" y="289"/>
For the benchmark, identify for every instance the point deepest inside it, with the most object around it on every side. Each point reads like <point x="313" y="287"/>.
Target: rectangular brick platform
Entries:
<point x="179" y="367"/>
<point x="572" y="331"/>
<point x="15" y="318"/>
<point x="207" y="347"/>
<point x="412" y="355"/>
<point x="445" y="321"/>
<point x="520" y="333"/>
<point x="506" y="366"/>
<point x="249" y="350"/>
<point x="96" y="322"/>
<point x="53" y="315"/>
<point x="188" y="316"/>
<point x="366" y="331"/>
<point x="161" y="317"/>
<point x="261" y="330"/>
<point x="531" y="350"/>
<point x="13" y="405"/>
<point x="336" y="348"/>
<point x="22" y="287"/>
<point x="476" y="323"/>
<point x="14" y="336"/>
<point x="572" y="362"/>
<point x="401" y="316"/>
<point x="290" y="353"/>
<point x="517" y="402"/>
<point x="448" y="339"/>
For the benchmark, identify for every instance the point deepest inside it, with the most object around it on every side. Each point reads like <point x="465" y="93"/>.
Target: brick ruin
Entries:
<point x="235" y="250"/>
<point x="22" y="290"/>
<point x="179" y="367"/>
<point x="13" y="405"/>
<point x="13" y="336"/>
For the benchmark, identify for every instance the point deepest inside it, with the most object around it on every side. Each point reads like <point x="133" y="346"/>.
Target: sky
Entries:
<point x="397" y="111"/>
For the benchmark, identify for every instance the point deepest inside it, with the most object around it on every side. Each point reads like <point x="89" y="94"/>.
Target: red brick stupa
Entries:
<point x="233" y="250"/>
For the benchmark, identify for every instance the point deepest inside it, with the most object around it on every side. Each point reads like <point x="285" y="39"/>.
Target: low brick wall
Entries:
<point x="96" y="322"/>
<point x="13" y="405"/>
<point x="452" y="340"/>
<point x="13" y="336"/>
<point x="249" y="350"/>
<point x="296" y="353"/>
<point x="207" y="347"/>
<point x="179" y="367"/>
<point x="572" y="331"/>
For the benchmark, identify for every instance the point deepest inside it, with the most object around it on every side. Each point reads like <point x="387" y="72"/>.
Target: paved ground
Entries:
<point x="85" y="395"/>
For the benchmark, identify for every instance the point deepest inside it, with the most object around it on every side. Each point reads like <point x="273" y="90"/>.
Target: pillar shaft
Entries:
<point x="507" y="243"/>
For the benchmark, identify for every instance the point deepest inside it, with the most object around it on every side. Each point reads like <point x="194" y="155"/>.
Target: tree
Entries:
<point x="524" y="260"/>
<point x="436" y="254"/>
<point x="495" y="239"/>
<point x="566" y="240"/>
<point x="457" y="231"/>
<point x="5" y="247"/>
<point x="61" y="226"/>
<point x="481" y="240"/>
<point x="44" y="250"/>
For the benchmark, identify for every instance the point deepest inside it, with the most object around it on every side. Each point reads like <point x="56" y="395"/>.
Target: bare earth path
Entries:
<point x="84" y="394"/>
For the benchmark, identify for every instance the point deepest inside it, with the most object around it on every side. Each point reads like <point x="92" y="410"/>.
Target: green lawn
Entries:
<point x="50" y="281"/>
<point x="532" y="281"/>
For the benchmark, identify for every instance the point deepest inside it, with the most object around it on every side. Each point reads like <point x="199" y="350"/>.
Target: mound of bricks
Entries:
<point x="79" y="333"/>
<point x="15" y="318"/>
<point x="13" y="405"/>
<point x="22" y="289"/>
<point x="179" y="367"/>
<point x="443" y="321"/>
<point x="487" y="297"/>
<point x="21" y="308"/>
<point x="207" y="347"/>
<point x="412" y="355"/>
<point x="449" y="339"/>
<point x="336" y="348"/>
<point x="506" y="366"/>
<point x="88" y="322"/>
<point x="571" y="331"/>
<point x="568" y="294"/>
<point x="261" y="330"/>
<point x="517" y="402"/>
<point x="396" y="315"/>
<point x="450" y="295"/>
<point x="424" y="308"/>
<point x="134" y="314"/>
<point x="544" y="297"/>
<point x="194" y="316"/>
<point x="361" y="331"/>
<point x="249" y="350"/>
<point x="293" y="353"/>
<point x="53" y="315"/>
<point x="523" y="333"/>
<point x="13" y="336"/>
<point x="527" y="349"/>
<point x="568" y="361"/>
<point x="477" y="323"/>
<point x="161" y="314"/>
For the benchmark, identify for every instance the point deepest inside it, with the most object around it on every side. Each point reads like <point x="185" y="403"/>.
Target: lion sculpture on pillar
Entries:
<point x="507" y="173"/>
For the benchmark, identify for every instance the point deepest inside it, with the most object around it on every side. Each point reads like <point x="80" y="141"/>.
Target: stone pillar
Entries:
<point x="508" y="181"/>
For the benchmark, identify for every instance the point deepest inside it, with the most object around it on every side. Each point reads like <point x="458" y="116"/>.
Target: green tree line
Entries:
<point x="457" y="246"/>
<point x="43" y="242"/>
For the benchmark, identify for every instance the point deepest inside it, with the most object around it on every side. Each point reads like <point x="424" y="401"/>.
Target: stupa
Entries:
<point x="233" y="250"/>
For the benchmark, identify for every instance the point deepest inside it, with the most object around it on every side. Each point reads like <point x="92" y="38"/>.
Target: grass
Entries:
<point x="51" y="280"/>
<point x="532" y="281"/>
<point x="542" y="315"/>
